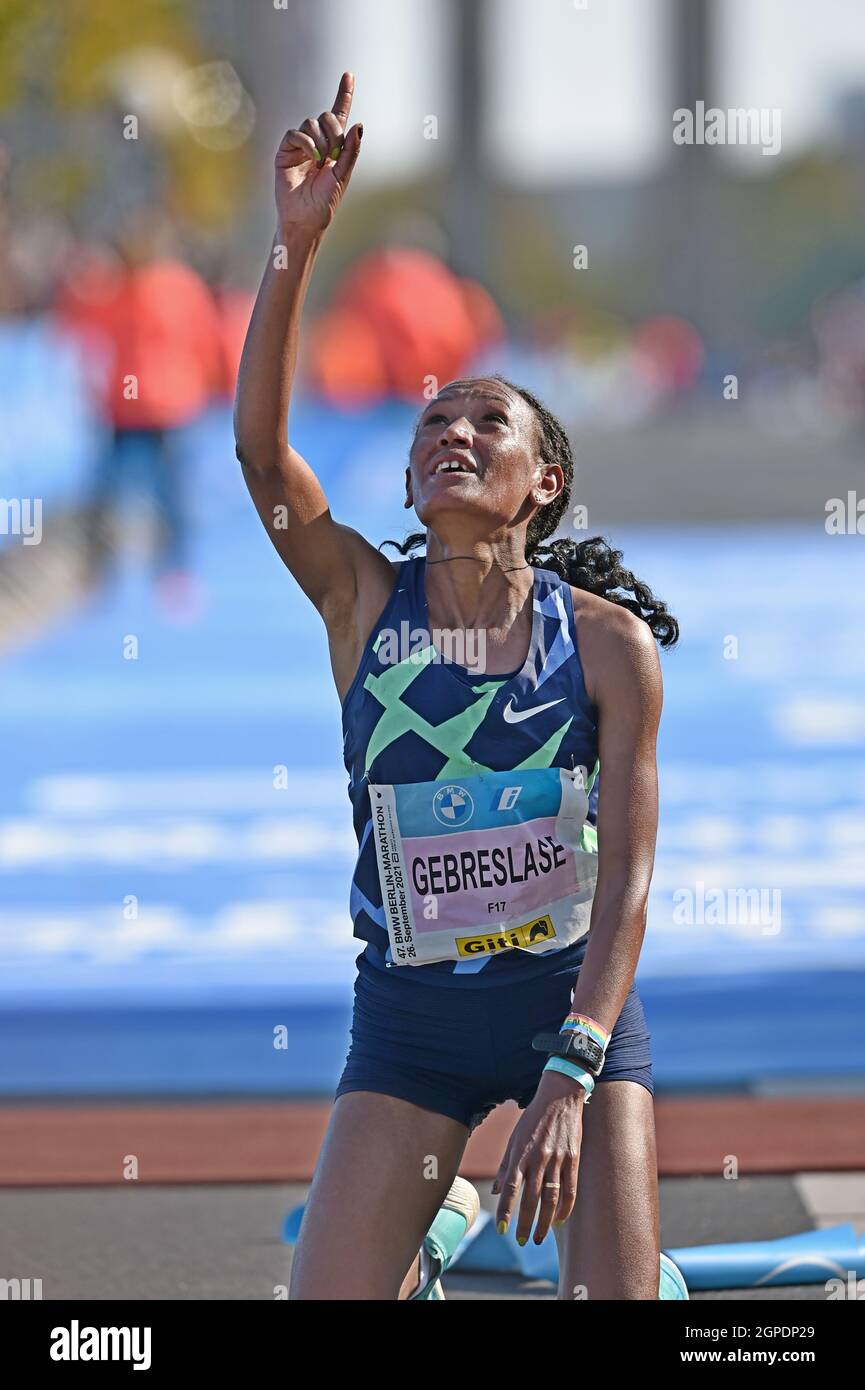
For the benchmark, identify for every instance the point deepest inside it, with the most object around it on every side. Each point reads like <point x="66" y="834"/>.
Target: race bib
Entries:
<point x="491" y="862"/>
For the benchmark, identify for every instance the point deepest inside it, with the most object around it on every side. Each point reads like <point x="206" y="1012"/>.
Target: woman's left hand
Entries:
<point x="543" y="1158"/>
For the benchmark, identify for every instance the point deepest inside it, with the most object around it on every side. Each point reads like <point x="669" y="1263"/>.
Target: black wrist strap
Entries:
<point x="585" y="1053"/>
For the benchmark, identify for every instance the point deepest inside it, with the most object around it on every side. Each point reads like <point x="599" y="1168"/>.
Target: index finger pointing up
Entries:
<point x="342" y="106"/>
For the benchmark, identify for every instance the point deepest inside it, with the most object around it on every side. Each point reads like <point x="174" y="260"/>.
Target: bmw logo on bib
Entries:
<point x="453" y="805"/>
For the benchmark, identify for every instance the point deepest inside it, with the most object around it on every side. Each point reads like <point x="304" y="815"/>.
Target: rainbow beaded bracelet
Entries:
<point x="582" y="1023"/>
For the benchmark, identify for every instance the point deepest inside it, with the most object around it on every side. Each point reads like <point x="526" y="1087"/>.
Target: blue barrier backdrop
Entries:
<point x="163" y="907"/>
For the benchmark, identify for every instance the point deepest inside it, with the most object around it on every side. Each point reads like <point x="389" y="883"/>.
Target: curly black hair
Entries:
<point x="593" y="564"/>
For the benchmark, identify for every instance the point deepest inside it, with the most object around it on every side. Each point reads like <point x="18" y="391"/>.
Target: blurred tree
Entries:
<point x="64" y="49"/>
<point x="70" y="76"/>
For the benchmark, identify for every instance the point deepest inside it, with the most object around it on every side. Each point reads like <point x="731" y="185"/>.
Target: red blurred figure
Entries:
<point x="399" y="317"/>
<point x="150" y="328"/>
<point x="669" y="352"/>
<point x="234" y="310"/>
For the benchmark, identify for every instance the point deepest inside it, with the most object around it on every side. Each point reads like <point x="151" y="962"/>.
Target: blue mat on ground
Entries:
<point x="814" y="1257"/>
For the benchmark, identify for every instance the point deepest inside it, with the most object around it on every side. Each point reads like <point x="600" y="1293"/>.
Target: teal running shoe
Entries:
<point x="455" y="1217"/>
<point x="672" y="1283"/>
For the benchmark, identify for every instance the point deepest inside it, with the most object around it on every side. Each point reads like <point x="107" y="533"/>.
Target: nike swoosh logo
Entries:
<point x="512" y="716"/>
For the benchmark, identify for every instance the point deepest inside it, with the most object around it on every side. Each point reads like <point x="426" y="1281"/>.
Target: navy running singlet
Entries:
<point x="427" y="719"/>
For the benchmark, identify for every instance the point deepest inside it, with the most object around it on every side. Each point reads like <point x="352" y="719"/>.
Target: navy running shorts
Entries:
<point x="462" y="1052"/>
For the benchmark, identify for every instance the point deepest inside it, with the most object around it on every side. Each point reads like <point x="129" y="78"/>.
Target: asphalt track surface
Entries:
<point x="204" y="1221"/>
<point x="223" y="1242"/>
<point x="237" y="1141"/>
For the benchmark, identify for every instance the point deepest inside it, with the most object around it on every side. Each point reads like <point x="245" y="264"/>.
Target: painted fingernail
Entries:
<point x="334" y="154"/>
<point x="564" y="1222"/>
<point x="318" y="156"/>
<point x="521" y="1240"/>
<point x="502" y="1228"/>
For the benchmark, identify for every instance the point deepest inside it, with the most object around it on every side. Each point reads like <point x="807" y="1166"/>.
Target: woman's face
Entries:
<point x="490" y="437"/>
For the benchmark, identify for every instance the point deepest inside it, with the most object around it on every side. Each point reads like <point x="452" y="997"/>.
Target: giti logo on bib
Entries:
<point x="541" y="929"/>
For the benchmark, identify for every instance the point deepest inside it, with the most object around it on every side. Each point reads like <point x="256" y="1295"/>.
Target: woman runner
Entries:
<point x="502" y="928"/>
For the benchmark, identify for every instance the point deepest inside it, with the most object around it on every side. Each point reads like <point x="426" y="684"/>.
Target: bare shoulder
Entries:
<point x="617" y="649"/>
<point x="375" y="577"/>
<point x="350" y="612"/>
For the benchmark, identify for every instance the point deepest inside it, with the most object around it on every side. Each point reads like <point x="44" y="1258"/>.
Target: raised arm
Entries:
<point x="330" y="562"/>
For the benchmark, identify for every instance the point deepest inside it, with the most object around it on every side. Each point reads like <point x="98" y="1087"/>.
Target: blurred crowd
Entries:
<point x="158" y="322"/>
<point x="148" y="303"/>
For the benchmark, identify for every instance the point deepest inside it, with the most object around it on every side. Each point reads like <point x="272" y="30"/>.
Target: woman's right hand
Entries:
<point x="314" y="164"/>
